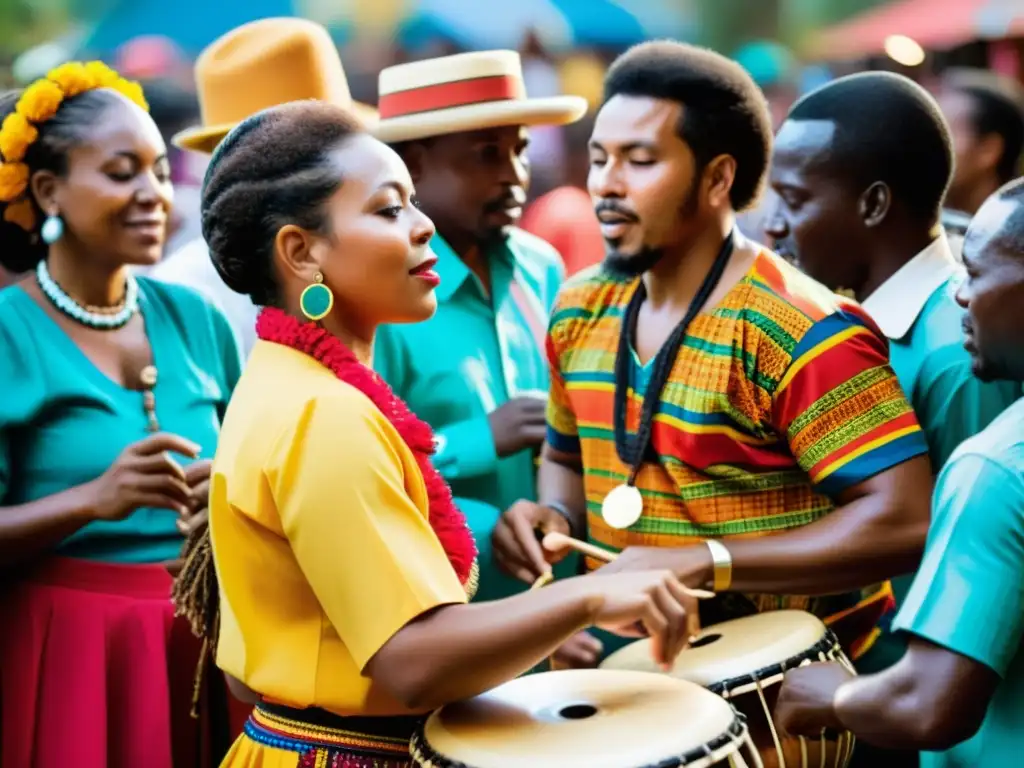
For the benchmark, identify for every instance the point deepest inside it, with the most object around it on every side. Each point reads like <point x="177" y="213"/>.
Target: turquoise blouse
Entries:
<point x="63" y="422"/>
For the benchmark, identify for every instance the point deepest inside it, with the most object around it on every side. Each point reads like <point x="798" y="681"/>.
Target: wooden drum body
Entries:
<point x="744" y="661"/>
<point x="587" y="719"/>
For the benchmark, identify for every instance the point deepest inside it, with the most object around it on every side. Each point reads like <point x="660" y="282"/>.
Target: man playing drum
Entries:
<point x="713" y="410"/>
<point x="963" y="673"/>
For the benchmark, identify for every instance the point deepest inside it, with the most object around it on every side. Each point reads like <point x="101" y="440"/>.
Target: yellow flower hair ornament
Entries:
<point x="39" y="102"/>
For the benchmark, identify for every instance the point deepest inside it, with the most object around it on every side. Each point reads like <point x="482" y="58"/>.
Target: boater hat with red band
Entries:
<point x="465" y="92"/>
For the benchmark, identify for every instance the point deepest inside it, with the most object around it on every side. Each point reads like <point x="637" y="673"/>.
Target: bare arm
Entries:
<point x="477" y="646"/>
<point x="458" y="651"/>
<point x="963" y="615"/>
<point x="514" y="539"/>
<point x="29" y="530"/>
<point x="878" y="531"/>
<point x="932" y="699"/>
<point x="560" y="481"/>
<point x="144" y="475"/>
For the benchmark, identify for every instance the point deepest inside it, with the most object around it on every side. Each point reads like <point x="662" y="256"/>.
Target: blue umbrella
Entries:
<point x="191" y="24"/>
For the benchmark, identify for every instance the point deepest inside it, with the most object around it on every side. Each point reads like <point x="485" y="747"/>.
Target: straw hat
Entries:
<point x="260" y="65"/>
<point x="464" y="92"/>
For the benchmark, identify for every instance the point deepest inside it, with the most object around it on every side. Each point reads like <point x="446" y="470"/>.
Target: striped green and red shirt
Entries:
<point x="781" y="398"/>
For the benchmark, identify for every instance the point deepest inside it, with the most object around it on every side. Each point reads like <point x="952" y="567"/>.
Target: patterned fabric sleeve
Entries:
<point x="562" y="433"/>
<point x="841" y="407"/>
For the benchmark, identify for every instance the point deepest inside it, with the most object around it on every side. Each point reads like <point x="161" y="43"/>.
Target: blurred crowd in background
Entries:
<point x="789" y="46"/>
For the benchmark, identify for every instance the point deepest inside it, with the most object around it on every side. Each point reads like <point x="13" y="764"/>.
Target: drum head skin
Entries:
<point x="581" y="719"/>
<point x="731" y="649"/>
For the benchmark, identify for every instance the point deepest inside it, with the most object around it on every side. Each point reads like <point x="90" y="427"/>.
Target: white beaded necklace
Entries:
<point x="101" y="320"/>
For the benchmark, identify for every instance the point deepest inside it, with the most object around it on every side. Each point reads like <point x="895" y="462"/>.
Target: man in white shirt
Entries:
<point x="291" y="59"/>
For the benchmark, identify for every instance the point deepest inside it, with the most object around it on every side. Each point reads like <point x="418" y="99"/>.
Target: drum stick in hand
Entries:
<point x="556" y="542"/>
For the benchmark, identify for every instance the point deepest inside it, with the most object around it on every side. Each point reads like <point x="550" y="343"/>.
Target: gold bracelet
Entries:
<point x="722" y="561"/>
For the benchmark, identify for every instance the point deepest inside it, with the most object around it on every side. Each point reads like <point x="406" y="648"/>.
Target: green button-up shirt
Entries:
<point x="478" y="352"/>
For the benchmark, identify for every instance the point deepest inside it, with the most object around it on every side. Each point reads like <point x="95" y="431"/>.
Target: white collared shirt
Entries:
<point x="191" y="266"/>
<point x="897" y="302"/>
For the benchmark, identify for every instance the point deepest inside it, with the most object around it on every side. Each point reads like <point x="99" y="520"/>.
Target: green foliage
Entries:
<point x="727" y="24"/>
<point x="25" y="23"/>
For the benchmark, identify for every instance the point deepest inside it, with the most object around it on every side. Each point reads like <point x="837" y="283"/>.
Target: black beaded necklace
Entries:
<point x="623" y="506"/>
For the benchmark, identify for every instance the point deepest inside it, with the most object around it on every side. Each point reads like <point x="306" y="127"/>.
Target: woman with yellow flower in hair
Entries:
<point x="113" y="391"/>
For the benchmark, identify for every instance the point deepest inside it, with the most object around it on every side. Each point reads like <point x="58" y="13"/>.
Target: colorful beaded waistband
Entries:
<point x="324" y="740"/>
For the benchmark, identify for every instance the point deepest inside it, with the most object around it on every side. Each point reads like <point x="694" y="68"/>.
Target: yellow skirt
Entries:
<point x="281" y="737"/>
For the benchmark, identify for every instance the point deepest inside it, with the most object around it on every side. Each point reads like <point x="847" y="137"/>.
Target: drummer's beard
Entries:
<point x="635" y="264"/>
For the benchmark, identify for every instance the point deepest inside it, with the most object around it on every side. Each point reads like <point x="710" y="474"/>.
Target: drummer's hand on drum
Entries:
<point x="581" y="651"/>
<point x="805" y="704"/>
<point x="514" y="540"/>
<point x="647" y="603"/>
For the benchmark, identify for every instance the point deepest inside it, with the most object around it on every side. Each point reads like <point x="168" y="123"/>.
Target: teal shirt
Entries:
<point x="934" y="369"/>
<point x="475" y="354"/>
<point x="917" y="310"/>
<point x="950" y="402"/>
<point x="968" y="596"/>
<point x="63" y="422"/>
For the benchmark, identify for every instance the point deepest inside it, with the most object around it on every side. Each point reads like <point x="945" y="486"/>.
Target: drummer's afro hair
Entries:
<point x="724" y="112"/>
<point x="271" y="170"/>
<point x="889" y="129"/>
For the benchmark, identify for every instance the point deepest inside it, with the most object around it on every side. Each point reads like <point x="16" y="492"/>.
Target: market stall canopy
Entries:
<point x="559" y="24"/>
<point x="189" y="24"/>
<point x="933" y="24"/>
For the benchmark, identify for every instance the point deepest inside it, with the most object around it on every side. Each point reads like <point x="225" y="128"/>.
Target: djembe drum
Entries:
<point x="587" y="719"/>
<point x="744" y="661"/>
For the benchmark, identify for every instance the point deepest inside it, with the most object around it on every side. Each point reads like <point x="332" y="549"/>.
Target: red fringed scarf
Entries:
<point x="448" y="522"/>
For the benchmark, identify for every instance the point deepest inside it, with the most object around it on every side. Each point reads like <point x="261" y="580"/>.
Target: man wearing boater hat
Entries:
<point x="714" y="411"/>
<point x="253" y="67"/>
<point x="476" y="370"/>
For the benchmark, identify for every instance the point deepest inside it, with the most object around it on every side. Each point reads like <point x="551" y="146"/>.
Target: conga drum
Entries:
<point x="586" y="718"/>
<point x="744" y="661"/>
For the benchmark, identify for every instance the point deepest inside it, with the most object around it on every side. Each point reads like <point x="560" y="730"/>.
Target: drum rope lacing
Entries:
<point x="825" y="650"/>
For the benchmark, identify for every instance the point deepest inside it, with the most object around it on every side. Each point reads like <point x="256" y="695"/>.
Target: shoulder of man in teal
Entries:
<point x="538" y="259"/>
<point x="952" y="403"/>
<point x="534" y="250"/>
<point x="1001" y="441"/>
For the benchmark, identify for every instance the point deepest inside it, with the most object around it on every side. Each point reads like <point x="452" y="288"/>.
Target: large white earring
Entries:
<point x="52" y="229"/>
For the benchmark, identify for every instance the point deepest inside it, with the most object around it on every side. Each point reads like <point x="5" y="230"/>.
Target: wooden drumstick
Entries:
<point x="554" y="542"/>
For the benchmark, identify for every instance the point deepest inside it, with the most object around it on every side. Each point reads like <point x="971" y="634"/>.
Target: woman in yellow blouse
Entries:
<point x="343" y="564"/>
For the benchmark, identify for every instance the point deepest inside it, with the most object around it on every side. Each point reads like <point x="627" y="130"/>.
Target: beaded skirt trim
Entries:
<point x="323" y="745"/>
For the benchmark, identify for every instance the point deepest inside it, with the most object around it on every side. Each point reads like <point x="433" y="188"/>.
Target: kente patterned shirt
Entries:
<point x="781" y="397"/>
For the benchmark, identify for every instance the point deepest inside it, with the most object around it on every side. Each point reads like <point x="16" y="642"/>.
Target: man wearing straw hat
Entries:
<point x="253" y="67"/>
<point x="476" y="370"/>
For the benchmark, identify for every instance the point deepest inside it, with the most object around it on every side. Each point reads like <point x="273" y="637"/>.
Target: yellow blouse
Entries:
<point x="323" y="549"/>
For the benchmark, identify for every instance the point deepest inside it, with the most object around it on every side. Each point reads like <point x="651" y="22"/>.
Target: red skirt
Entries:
<point x="96" y="672"/>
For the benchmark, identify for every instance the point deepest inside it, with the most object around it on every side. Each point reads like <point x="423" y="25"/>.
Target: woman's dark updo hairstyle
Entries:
<point x="70" y="127"/>
<point x="273" y="169"/>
